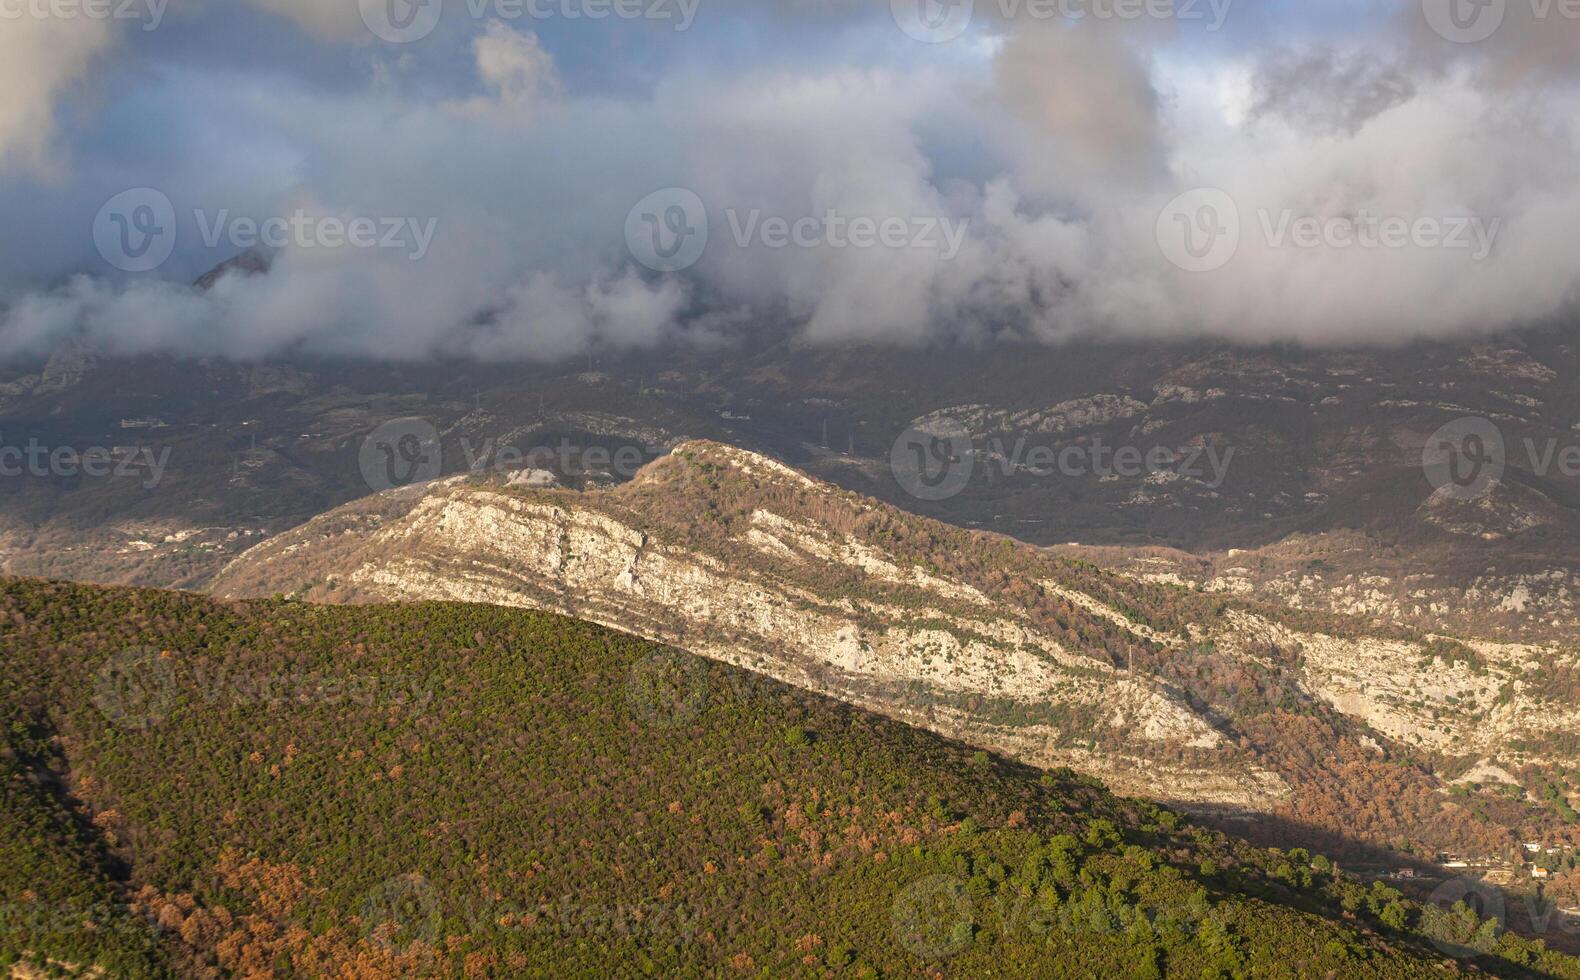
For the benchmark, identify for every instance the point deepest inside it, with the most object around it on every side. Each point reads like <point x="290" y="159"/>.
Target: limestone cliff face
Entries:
<point x="1160" y="690"/>
<point x="783" y="596"/>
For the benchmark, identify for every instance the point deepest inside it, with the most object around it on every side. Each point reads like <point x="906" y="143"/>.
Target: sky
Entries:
<point x="536" y="179"/>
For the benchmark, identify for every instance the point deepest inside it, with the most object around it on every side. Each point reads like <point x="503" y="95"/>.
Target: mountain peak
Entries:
<point x="1203" y="700"/>
<point x="759" y="466"/>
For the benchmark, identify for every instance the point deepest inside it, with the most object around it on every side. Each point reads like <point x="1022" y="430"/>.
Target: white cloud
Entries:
<point x="519" y="75"/>
<point x="1056" y="155"/>
<point x="1087" y="94"/>
<point x="328" y="20"/>
<point x="41" y="58"/>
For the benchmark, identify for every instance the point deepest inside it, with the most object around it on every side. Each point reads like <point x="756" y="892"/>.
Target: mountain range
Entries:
<point x="1236" y="581"/>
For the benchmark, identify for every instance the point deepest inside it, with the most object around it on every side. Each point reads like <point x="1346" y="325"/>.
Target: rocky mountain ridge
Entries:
<point x="1210" y="701"/>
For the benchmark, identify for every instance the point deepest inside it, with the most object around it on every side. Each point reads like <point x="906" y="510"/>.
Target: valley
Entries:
<point x="1301" y="642"/>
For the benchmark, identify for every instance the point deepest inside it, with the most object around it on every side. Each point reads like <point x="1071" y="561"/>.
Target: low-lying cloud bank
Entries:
<point x="1036" y="180"/>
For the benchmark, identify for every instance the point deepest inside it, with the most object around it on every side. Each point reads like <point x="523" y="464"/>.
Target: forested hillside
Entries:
<point x="275" y="788"/>
<point x="1324" y="729"/>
